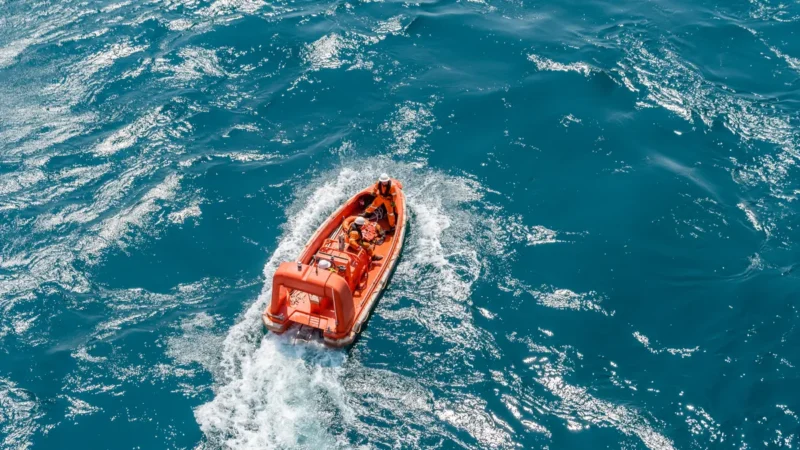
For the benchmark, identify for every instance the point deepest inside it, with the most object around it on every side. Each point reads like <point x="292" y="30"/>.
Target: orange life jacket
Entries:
<point x="385" y="191"/>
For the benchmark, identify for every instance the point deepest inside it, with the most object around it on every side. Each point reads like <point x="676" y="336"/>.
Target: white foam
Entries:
<point x="80" y="79"/>
<point x="16" y="181"/>
<point x="196" y="63"/>
<point x="581" y="405"/>
<point x="577" y="406"/>
<point x="249" y="156"/>
<point x="78" y="407"/>
<point x="180" y="24"/>
<point x="470" y="415"/>
<point x="794" y="63"/>
<point x="19" y="412"/>
<point x="324" y="53"/>
<point x="567" y="120"/>
<point x="388" y="409"/>
<point x="765" y="10"/>
<point x="84" y="36"/>
<point x="545" y="64"/>
<point x="180" y="217"/>
<point x="512" y="229"/>
<point x="24" y="323"/>
<point x="263" y="377"/>
<point x="753" y="219"/>
<point x="408" y="125"/>
<point x="567" y="299"/>
<point x="115" y="6"/>
<point x="10" y="52"/>
<point x="51" y="264"/>
<point x="675" y="85"/>
<point x="228" y="7"/>
<point x="788" y="412"/>
<point x="682" y="352"/>
<point x="29" y="191"/>
<point x="335" y="50"/>
<point x="392" y="26"/>
<point x="128" y="135"/>
<point x="110" y="231"/>
<point x="106" y="196"/>
<point x="197" y="343"/>
<point x="700" y="423"/>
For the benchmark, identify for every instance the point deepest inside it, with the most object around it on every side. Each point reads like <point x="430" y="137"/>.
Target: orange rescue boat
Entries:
<point x="332" y="289"/>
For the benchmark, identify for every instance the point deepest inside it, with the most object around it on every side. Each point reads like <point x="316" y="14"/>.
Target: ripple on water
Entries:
<point x="661" y="77"/>
<point x="19" y="412"/>
<point x="576" y="405"/>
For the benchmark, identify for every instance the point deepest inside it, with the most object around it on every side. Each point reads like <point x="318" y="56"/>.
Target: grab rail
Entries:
<point x="332" y="256"/>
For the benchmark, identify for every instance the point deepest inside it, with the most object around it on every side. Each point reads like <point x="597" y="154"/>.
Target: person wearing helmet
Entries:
<point x="385" y="195"/>
<point x="355" y="238"/>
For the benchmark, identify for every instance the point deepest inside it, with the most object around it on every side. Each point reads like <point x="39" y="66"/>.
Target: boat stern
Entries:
<point x="277" y="324"/>
<point x="306" y="295"/>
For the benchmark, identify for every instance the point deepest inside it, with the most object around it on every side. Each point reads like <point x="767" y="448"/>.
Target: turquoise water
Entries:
<point x="603" y="231"/>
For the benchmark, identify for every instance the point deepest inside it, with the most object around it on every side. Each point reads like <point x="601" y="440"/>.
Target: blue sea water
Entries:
<point x="603" y="222"/>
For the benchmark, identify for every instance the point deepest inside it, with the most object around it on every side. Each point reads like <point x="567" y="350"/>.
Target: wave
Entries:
<point x="660" y="77"/>
<point x="19" y="411"/>
<point x="576" y="405"/>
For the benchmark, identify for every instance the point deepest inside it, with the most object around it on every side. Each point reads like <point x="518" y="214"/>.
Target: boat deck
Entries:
<point x="305" y="306"/>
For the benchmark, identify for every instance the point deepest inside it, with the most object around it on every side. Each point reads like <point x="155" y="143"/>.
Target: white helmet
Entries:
<point x="324" y="264"/>
<point x="384" y="178"/>
<point x="360" y="221"/>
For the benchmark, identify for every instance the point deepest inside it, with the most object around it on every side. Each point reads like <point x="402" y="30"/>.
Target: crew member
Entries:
<point x="356" y="238"/>
<point x="385" y="195"/>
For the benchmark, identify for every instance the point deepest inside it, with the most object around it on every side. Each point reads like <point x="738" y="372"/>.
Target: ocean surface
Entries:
<point x="604" y="222"/>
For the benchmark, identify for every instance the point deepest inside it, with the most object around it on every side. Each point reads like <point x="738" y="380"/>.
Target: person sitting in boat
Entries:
<point x="363" y="234"/>
<point x="385" y="195"/>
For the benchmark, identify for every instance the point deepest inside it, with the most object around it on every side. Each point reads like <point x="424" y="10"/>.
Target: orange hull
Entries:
<point x="338" y="301"/>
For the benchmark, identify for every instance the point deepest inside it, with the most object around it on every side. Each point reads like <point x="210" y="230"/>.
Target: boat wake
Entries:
<point x="272" y="394"/>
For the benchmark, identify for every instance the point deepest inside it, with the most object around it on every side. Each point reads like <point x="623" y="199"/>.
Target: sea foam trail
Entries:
<point x="271" y="394"/>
